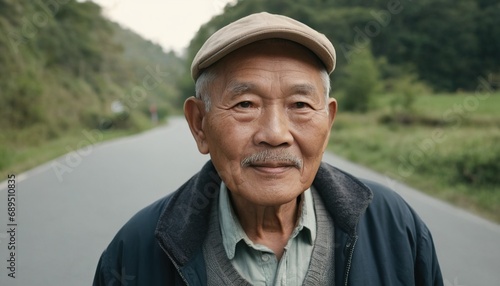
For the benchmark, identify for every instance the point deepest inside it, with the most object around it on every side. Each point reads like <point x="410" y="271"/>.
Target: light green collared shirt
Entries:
<point x="257" y="263"/>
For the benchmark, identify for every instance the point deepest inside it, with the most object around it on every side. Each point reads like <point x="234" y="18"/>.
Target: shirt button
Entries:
<point x="266" y="257"/>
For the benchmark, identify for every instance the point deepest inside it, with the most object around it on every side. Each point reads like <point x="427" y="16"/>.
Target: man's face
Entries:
<point x="269" y="122"/>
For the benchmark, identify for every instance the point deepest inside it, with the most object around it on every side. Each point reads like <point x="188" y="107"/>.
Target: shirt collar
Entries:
<point x="233" y="233"/>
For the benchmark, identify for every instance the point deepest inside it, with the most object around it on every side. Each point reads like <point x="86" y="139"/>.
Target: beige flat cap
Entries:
<point x="258" y="27"/>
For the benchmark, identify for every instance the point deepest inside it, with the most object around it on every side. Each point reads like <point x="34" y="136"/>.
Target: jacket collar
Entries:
<point x="345" y="197"/>
<point x="184" y="222"/>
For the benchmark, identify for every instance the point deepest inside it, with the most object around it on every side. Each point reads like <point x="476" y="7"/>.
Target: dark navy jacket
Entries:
<point x="379" y="239"/>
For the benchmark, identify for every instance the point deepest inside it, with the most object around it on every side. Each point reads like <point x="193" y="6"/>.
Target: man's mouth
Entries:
<point x="273" y="167"/>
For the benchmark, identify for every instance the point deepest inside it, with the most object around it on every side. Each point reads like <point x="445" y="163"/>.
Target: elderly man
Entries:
<point x="265" y="210"/>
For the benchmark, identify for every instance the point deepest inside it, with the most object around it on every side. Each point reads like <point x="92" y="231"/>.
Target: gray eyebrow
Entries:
<point x="237" y="87"/>
<point x="304" y="89"/>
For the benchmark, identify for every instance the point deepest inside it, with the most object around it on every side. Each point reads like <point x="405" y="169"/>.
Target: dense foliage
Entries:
<point x="448" y="44"/>
<point x="62" y="65"/>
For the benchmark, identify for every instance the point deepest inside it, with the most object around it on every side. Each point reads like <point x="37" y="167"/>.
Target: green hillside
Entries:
<point x="62" y="65"/>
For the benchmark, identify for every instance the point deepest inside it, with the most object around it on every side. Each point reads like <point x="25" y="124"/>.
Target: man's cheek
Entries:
<point x="231" y="174"/>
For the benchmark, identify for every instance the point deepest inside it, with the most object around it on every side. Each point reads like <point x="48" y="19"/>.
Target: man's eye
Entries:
<point x="300" y="104"/>
<point x="245" y="104"/>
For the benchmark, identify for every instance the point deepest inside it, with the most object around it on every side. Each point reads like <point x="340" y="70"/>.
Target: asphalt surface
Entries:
<point x="69" y="209"/>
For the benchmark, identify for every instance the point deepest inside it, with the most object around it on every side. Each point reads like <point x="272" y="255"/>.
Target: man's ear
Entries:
<point x="332" y="110"/>
<point x="194" y="111"/>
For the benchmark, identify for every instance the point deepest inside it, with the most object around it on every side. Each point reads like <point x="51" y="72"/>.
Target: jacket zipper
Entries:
<point x="350" y="248"/>
<point x="175" y="265"/>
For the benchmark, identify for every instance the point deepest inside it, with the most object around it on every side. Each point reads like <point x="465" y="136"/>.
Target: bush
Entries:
<point x="20" y="103"/>
<point x="90" y="118"/>
<point x="5" y="157"/>
<point x="121" y="120"/>
<point x="360" y="82"/>
<point x="406" y="88"/>
<point x="479" y="166"/>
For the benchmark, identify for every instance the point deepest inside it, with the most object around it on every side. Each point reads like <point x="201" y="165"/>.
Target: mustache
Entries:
<point x="280" y="156"/>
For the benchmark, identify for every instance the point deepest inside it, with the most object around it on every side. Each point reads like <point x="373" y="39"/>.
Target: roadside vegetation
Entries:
<point x="446" y="147"/>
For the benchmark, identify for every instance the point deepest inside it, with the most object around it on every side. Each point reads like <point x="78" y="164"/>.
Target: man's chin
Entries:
<point x="274" y="192"/>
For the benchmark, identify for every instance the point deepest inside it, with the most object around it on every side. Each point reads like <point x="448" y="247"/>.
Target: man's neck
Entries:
<point x="271" y="226"/>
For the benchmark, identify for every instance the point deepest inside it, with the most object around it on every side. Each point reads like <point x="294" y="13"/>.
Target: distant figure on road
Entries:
<point x="265" y="210"/>
<point x="154" y="113"/>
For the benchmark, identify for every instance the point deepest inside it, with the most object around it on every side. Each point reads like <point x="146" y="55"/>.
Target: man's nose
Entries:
<point x="274" y="128"/>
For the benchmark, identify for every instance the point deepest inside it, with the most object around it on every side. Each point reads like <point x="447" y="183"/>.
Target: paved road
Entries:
<point x="68" y="210"/>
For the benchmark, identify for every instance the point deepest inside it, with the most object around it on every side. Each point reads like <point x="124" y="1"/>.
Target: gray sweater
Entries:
<point x="220" y="270"/>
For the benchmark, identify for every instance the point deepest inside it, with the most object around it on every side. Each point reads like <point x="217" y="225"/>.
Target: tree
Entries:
<point x="360" y="82"/>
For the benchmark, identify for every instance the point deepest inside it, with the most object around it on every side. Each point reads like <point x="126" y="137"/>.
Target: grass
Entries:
<point x="450" y="152"/>
<point x="21" y="150"/>
<point x="15" y="160"/>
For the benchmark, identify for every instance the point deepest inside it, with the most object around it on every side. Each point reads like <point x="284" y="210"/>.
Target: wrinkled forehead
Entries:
<point x="309" y="72"/>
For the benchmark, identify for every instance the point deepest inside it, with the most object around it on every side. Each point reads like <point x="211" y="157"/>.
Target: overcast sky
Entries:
<point x="170" y="23"/>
